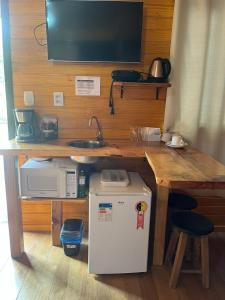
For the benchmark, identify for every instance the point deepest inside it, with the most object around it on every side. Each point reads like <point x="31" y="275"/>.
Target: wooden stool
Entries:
<point x="186" y="224"/>
<point x="179" y="201"/>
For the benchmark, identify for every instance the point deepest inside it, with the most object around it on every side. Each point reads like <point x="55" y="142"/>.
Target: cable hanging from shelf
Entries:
<point x="111" y="102"/>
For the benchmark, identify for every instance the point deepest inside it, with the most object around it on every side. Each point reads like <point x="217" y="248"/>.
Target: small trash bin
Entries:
<point x="71" y="236"/>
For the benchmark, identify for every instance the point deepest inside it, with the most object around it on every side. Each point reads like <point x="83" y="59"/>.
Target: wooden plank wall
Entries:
<point x="32" y="71"/>
<point x="211" y="203"/>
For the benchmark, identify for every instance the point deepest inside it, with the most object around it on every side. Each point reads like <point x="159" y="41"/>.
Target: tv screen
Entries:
<point x="94" y="31"/>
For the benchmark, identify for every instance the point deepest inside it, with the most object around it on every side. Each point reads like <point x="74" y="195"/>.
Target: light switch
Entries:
<point x="58" y="98"/>
<point x="28" y="97"/>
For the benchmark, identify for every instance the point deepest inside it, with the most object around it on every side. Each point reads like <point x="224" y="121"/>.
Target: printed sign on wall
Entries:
<point x="87" y="85"/>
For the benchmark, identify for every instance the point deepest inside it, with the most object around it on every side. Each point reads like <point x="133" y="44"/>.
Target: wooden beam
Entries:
<point x="13" y="206"/>
<point x="160" y="224"/>
<point x="56" y="222"/>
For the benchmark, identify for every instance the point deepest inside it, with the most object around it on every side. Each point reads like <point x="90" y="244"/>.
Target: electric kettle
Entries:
<point x="159" y="70"/>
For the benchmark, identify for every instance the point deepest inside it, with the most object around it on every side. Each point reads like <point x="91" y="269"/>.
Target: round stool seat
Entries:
<point x="181" y="201"/>
<point x="192" y="223"/>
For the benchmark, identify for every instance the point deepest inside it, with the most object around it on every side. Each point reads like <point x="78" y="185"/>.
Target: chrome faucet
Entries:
<point x="99" y="136"/>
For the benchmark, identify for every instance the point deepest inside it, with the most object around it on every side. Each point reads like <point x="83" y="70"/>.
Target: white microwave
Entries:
<point x="56" y="178"/>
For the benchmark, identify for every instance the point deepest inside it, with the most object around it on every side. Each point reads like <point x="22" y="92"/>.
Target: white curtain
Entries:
<point x="196" y="101"/>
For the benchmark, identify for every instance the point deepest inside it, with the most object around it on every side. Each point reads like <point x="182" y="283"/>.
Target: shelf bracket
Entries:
<point x="157" y="93"/>
<point x="121" y="91"/>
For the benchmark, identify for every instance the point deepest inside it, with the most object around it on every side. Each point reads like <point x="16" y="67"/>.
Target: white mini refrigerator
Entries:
<point x="119" y="218"/>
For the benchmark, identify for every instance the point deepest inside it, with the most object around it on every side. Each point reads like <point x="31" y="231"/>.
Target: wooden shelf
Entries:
<point x="150" y="84"/>
<point x="74" y="200"/>
<point x="155" y="85"/>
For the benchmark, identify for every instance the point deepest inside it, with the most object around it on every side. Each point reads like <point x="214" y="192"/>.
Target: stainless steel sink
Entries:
<point x="86" y="144"/>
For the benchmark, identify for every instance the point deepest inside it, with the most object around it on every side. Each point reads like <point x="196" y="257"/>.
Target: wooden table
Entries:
<point x="179" y="169"/>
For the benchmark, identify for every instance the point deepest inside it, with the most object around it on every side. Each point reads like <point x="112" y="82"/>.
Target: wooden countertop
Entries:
<point x="173" y="168"/>
<point x="186" y="168"/>
<point x="59" y="148"/>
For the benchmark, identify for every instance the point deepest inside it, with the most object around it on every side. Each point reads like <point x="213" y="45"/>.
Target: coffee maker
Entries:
<point x="24" y="120"/>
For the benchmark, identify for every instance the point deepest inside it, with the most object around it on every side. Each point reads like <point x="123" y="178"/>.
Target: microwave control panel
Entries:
<point x="71" y="184"/>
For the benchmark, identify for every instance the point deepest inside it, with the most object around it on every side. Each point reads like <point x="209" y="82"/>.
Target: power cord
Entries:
<point x="111" y="102"/>
<point x="34" y="31"/>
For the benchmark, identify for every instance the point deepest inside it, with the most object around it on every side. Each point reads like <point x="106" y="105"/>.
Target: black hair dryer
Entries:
<point x="159" y="70"/>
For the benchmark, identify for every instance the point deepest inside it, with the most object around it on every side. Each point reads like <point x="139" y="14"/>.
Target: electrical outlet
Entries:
<point x="28" y="98"/>
<point x="58" y="99"/>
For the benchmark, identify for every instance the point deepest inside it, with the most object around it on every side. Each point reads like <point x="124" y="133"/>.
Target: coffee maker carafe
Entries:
<point x="24" y="119"/>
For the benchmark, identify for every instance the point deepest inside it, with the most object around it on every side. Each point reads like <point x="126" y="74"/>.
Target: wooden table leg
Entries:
<point x="160" y="224"/>
<point x="205" y="261"/>
<point x="56" y="222"/>
<point x="13" y="206"/>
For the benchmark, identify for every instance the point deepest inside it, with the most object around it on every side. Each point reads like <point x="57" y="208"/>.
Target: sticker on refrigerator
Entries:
<point x="105" y="212"/>
<point x="141" y="208"/>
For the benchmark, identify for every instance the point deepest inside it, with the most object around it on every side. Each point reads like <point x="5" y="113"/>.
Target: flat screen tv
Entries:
<point x="94" y="31"/>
